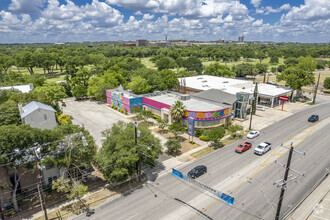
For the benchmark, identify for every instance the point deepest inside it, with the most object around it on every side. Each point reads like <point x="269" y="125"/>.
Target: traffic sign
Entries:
<point x="283" y="98"/>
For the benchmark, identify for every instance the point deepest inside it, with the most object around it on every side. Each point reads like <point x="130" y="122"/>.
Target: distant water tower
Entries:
<point x="241" y="39"/>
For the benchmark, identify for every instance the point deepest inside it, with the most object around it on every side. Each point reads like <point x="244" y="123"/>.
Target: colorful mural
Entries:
<point x="213" y="115"/>
<point x="124" y="103"/>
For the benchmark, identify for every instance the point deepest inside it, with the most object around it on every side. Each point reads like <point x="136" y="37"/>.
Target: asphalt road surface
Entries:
<point x="247" y="177"/>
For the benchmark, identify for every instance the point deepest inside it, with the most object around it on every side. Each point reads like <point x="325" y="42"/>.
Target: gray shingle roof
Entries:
<point x="216" y="96"/>
<point x="32" y="106"/>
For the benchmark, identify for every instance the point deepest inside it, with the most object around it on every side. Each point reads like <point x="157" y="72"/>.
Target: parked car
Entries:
<point x="263" y="148"/>
<point x="197" y="171"/>
<point x="253" y="134"/>
<point x="313" y="118"/>
<point x="260" y="108"/>
<point x="243" y="147"/>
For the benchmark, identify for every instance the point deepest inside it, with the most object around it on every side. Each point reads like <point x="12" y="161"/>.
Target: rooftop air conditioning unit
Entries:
<point x="225" y="82"/>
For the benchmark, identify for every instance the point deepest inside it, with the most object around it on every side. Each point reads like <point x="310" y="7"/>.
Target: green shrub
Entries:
<point x="156" y="117"/>
<point x="204" y="138"/>
<point x="173" y="146"/>
<point x="216" y="144"/>
<point x="198" y="133"/>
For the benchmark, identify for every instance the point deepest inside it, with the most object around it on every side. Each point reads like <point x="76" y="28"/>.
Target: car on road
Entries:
<point x="263" y="148"/>
<point x="243" y="147"/>
<point x="197" y="171"/>
<point x="313" y="118"/>
<point x="253" y="134"/>
<point x="260" y="108"/>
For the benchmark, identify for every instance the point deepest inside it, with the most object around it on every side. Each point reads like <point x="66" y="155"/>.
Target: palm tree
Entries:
<point x="178" y="110"/>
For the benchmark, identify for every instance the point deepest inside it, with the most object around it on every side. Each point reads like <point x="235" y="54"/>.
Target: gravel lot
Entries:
<point x="95" y="117"/>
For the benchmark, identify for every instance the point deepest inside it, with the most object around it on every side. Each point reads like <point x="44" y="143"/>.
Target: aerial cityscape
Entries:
<point x="154" y="109"/>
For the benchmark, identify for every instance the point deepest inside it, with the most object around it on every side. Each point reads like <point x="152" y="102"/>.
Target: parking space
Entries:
<point x="95" y="117"/>
<point x="269" y="116"/>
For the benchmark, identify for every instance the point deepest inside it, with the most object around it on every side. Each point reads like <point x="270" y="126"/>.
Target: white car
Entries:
<point x="263" y="148"/>
<point x="253" y="134"/>
<point x="260" y="108"/>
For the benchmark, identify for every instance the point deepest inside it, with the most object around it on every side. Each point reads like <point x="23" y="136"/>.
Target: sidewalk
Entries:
<point x="316" y="205"/>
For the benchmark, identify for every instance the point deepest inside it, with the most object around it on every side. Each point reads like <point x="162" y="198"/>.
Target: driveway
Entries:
<point x="95" y="117"/>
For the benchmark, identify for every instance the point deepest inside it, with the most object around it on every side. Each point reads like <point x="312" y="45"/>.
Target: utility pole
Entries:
<point x="1" y="211"/>
<point x="285" y="180"/>
<point x="42" y="200"/>
<point x="139" y="163"/>
<point x="251" y="112"/>
<point x="316" y="87"/>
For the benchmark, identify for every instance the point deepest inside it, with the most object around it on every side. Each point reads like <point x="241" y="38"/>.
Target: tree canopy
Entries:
<point x="119" y="154"/>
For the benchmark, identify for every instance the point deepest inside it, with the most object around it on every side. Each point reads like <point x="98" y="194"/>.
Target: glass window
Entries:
<point x="45" y="117"/>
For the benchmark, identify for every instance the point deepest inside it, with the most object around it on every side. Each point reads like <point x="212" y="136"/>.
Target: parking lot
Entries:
<point x="95" y="117"/>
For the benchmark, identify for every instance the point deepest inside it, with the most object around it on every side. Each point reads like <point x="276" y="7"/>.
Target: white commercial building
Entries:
<point x="268" y="94"/>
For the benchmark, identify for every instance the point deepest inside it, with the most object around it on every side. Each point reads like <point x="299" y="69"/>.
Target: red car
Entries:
<point x="243" y="147"/>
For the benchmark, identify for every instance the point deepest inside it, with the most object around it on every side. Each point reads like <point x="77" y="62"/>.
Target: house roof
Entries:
<point x="216" y="96"/>
<point x="22" y="88"/>
<point x="33" y="106"/>
<point x="232" y="86"/>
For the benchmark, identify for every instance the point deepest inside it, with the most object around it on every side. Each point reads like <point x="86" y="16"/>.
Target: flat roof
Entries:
<point x="22" y="88"/>
<point x="124" y="93"/>
<point x="193" y="104"/>
<point x="232" y="86"/>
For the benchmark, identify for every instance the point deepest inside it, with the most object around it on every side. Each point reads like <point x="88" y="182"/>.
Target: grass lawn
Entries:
<point x="202" y="152"/>
<point x="50" y="78"/>
<point x="146" y="61"/>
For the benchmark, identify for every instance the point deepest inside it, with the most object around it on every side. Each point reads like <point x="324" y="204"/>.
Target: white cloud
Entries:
<point x="148" y="17"/>
<point x="255" y="3"/>
<point x="192" y="9"/>
<point x="26" y="6"/>
<point x="214" y="19"/>
<point x="257" y="23"/>
<point x="268" y="9"/>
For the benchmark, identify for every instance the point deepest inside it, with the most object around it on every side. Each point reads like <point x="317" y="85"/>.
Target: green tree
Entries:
<point x="243" y="69"/>
<point x="274" y="60"/>
<point x="193" y="64"/>
<point x="79" y="91"/>
<point x="216" y="69"/>
<point x="178" y="109"/>
<point x="25" y="59"/>
<point x="326" y="83"/>
<point x="299" y="75"/>
<point x="165" y="63"/>
<point x="176" y="129"/>
<point x="261" y="56"/>
<point x="9" y="114"/>
<point x="162" y="125"/>
<point x="119" y="154"/>
<point x="16" y="151"/>
<point x="139" y="85"/>
<point x="173" y="146"/>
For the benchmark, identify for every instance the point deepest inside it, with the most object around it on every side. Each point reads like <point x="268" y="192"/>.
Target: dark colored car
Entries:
<point x="313" y="118"/>
<point x="197" y="171"/>
<point x="243" y="147"/>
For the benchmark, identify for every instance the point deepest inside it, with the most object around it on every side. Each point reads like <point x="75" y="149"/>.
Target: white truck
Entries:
<point x="263" y="148"/>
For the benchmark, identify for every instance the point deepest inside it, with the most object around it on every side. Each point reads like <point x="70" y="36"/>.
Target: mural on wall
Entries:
<point x="207" y="115"/>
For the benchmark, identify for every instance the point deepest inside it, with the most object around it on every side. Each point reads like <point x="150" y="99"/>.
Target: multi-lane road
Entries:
<point x="247" y="177"/>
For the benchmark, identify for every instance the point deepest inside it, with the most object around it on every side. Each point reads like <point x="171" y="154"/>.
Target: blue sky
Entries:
<point x="47" y="21"/>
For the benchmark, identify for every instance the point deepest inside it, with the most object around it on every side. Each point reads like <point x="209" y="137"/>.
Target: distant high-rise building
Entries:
<point x="241" y="39"/>
<point x="141" y="42"/>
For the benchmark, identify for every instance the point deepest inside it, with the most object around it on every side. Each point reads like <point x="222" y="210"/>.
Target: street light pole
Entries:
<point x="316" y="87"/>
